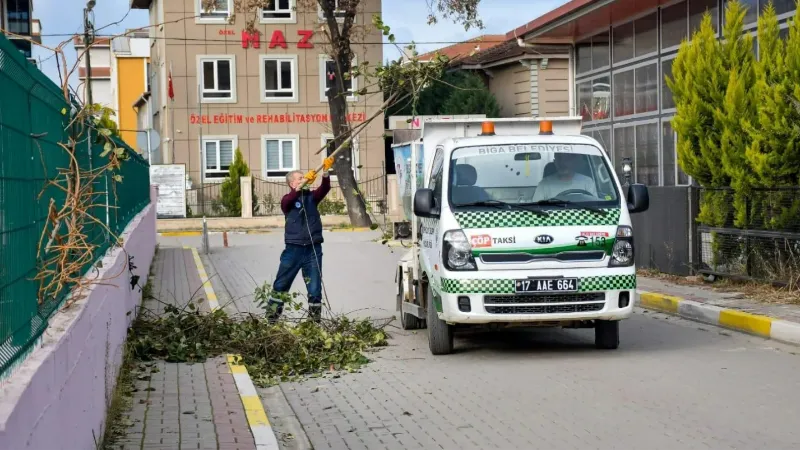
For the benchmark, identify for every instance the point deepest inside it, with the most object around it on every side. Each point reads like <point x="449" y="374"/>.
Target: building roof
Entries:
<point x="579" y="18"/>
<point x="465" y="49"/>
<point x="511" y="49"/>
<point x="98" y="42"/>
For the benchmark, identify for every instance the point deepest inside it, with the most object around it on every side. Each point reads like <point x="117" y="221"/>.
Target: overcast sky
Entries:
<point x="65" y="17"/>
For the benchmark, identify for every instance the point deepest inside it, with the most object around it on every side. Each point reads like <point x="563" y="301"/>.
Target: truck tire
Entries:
<point x="407" y="321"/>
<point x="440" y="334"/>
<point x="606" y="334"/>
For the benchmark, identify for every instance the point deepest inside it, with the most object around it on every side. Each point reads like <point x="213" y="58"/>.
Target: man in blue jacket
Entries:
<point x="303" y="238"/>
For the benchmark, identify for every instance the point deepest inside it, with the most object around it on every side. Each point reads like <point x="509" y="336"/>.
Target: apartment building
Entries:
<point x="263" y="92"/>
<point x="16" y="16"/>
<point x="118" y="76"/>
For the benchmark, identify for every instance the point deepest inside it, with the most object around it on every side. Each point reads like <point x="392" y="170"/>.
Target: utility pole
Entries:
<point x="88" y="38"/>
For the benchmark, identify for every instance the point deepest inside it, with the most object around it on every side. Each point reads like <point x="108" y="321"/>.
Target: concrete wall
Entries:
<point x="58" y="398"/>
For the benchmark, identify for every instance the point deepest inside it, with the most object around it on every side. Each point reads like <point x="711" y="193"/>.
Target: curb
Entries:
<point x="758" y="325"/>
<point x="350" y="229"/>
<point x="253" y="408"/>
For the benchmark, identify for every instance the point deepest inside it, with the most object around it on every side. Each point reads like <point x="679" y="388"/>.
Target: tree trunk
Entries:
<point x="337" y="100"/>
<point x="343" y="167"/>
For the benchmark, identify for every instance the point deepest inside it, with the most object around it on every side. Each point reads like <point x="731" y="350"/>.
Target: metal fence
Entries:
<point x="33" y="121"/>
<point x="205" y="200"/>
<point x="267" y="195"/>
<point x="759" y="240"/>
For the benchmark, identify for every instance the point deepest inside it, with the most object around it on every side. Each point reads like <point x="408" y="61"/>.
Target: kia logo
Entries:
<point x="543" y="239"/>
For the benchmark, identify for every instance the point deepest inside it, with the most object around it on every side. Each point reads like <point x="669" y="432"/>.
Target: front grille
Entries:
<point x="545" y="309"/>
<point x="545" y="298"/>
<point x="521" y="258"/>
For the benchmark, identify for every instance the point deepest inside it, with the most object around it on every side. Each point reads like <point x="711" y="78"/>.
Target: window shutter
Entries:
<point x="211" y="156"/>
<point x="288" y="154"/>
<point x="225" y="154"/>
<point x="273" y="155"/>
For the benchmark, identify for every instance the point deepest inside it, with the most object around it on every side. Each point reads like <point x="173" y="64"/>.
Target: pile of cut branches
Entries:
<point x="273" y="352"/>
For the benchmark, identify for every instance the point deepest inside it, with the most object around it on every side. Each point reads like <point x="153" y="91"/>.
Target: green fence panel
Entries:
<point x="33" y="121"/>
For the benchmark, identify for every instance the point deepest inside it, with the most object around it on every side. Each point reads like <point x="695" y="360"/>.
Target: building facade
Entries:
<point x="118" y="76"/>
<point x="262" y="92"/>
<point x="526" y="80"/>
<point x="621" y="51"/>
<point x="16" y="16"/>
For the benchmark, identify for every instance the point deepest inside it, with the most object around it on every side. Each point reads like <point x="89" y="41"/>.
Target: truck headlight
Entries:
<point x="622" y="254"/>
<point x="457" y="252"/>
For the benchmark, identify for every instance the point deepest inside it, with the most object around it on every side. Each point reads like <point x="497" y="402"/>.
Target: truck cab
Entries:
<point x="522" y="222"/>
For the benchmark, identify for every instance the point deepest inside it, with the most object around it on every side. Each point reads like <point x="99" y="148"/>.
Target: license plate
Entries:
<point x="547" y="285"/>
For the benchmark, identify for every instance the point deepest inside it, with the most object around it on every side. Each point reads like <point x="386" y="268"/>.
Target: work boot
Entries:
<point x="315" y="312"/>
<point x="275" y="309"/>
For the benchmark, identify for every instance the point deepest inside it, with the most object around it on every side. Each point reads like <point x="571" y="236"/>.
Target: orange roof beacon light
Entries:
<point x="545" y="127"/>
<point x="487" y="129"/>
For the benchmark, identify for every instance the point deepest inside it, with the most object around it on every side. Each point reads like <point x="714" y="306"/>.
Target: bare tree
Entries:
<point x="339" y="18"/>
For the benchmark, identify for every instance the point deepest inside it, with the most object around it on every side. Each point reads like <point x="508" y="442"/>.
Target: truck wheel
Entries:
<point x="407" y="321"/>
<point x="440" y="334"/>
<point x="606" y="334"/>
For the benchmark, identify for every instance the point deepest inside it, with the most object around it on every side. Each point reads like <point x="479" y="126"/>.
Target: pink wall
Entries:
<point x="57" y="398"/>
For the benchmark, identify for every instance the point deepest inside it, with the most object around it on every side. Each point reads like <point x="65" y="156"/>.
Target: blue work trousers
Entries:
<point x="295" y="258"/>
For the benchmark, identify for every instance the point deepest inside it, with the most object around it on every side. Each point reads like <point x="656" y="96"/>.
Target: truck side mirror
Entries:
<point x="424" y="203"/>
<point x="638" y="198"/>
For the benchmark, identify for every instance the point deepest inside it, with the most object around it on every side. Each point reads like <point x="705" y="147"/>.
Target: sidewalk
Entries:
<point x="184" y="406"/>
<point x="732" y="310"/>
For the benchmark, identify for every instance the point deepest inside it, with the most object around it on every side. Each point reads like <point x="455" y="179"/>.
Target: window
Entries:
<point x="217" y="156"/>
<point x="646" y="40"/>
<point x="668" y="155"/>
<point x="751" y="8"/>
<point x="594" y="99"/>
<point x="667" y="102"/>
<point x="624" y="147"/>
<point x="636" y="90"/>
<point x="646" y="166"/>
<point x="674" y="25"/>
<point x="781" y="6"/>
<point x="218" y="81"/>
<point x="623" y="94"/>
<point x="278" y="11"/>
<point x="328" y="142"/>
<point x="592" y="54"/>
<point x="18" y="14"/>
<point x="697" y="8"/>
<point x="338" y="12"/>
<point x="219" y="11"/>
<point x="147" y="76"/>
<point x="328" y="78"/>
<point x="279" y="79"/>
<point x="280" y="155"/>
<point x="623" y="42"/>
<point x="646" y="88"/>
<point x="435" y="182"/>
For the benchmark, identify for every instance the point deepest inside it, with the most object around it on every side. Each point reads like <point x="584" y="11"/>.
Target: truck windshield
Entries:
<point x="562" y="175"/>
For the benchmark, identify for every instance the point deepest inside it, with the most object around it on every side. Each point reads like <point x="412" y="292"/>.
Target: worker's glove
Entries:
<point x="310" y="177"/>
<point x="328" y="163"/>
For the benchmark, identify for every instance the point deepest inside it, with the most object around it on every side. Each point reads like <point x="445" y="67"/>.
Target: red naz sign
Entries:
<point x="276" y="40"/>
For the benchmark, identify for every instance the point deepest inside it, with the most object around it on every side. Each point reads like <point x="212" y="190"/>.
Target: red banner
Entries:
<point x="195" y="119"/>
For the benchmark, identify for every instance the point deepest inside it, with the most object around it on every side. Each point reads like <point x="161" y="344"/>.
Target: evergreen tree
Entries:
<point x="471" y="97"/>
<point x="738" y="60"/>
<point x="773" y="154"/>
<point x="231" y="188"/>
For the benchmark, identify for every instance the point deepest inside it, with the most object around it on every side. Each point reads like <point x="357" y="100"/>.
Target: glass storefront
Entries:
<point x="621" y="88"/>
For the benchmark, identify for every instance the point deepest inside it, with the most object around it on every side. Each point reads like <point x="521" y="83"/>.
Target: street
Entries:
<point x="671" y="384"/>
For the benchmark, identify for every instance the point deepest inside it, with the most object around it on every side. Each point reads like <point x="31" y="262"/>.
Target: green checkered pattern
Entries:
<point x="587" y="284"/>
<point x="518" y="219"/>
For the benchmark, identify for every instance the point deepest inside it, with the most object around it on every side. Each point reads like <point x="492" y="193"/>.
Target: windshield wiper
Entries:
<point x="499" y="204"/>
<point x="558" y="201"/>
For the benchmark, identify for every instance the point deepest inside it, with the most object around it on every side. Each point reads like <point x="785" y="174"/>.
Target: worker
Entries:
<point x="303" y="238"/>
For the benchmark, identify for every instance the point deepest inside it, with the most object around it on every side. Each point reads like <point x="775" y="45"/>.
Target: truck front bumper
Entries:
<point x="489" y="298"/>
